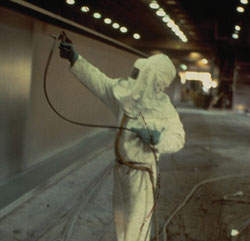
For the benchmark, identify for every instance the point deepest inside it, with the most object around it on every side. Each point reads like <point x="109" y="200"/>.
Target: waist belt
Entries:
<point x="134" y="163"/>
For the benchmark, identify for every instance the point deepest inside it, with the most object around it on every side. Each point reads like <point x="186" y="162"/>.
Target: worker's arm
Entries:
<point x="169" y="139"/>
<point x="89" y="75"/>
<point x="96" y="81"/>
<point x="172" y="137"/>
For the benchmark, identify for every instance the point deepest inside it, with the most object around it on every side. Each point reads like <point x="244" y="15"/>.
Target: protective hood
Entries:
<point x="145" y="93"/>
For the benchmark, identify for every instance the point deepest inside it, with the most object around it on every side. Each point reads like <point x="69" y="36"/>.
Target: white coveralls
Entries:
<point x="133" y="197"/>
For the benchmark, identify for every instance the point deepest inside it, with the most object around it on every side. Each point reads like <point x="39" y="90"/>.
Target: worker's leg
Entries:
<point x="133" y="202"/>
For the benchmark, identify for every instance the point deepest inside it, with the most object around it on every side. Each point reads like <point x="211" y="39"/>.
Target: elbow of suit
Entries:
<point x="172" y="144"/>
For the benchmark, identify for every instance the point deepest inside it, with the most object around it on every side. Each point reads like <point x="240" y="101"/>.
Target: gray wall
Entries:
<point x="15" y="78"/>
<point x="30" y="131"/>
<point x="174" y="91"/>
<point x="241" y="88"/>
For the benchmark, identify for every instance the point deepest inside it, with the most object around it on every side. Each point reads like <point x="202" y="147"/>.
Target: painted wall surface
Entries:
<point x="30" y="131"/>
<point x="15" y="80"/>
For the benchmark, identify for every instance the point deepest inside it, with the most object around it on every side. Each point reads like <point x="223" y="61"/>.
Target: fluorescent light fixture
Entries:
<point x="160" y="12"/>
<point x="244" y="1"/>
<point x="97" y="15"/>
<point x="237" y="27"/>
<point x="154" y="5"/>
<point x="116" y="25"/>
<point x="85" y="9"/>
<point x="136" y="36"/>
<point x="240" y="9"/>
<point x="235" y="36"/>
<point x="123" y="29"/>
<point x="70" y="2"/>
<point x="107" y="20"/>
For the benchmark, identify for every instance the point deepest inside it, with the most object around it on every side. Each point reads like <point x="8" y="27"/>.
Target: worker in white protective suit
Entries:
<point x="139" y="103"/>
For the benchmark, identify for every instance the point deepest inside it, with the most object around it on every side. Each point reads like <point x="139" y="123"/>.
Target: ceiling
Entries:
<point x="207" y="24"/>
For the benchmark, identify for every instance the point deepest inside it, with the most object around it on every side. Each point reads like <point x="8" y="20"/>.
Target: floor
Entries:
<point x="205" y="191"/>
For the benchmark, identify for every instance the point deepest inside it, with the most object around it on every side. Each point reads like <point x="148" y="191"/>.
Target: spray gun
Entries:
<point x="64" y="38"/>
<point x="61" y="37"/>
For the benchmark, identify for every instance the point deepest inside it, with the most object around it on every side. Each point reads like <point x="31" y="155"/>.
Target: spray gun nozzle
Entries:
<point x="62" y="37"/>
<point x="53" y="36"/>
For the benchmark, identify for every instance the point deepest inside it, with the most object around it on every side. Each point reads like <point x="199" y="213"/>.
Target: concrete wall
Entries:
<point x="30" y="131"/>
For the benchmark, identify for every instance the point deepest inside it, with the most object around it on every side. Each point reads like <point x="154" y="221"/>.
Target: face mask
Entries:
<point x="135" y="73"/>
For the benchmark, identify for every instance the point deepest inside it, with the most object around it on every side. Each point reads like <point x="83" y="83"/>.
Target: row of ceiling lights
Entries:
<point x="97" y="15"/>
<point x="166" y="19"/>
<point x="240" y="8"/>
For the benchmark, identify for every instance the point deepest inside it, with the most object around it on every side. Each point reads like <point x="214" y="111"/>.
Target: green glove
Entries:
<point x="146" y="135"/>
<point x="67" y="52"/>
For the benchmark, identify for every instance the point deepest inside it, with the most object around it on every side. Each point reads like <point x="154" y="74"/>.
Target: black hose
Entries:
<point x="54" y="109"/>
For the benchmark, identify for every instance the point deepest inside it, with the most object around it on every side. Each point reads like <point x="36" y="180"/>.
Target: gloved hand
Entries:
<point x="67" y="52"/>
<point x="143" y="134"/>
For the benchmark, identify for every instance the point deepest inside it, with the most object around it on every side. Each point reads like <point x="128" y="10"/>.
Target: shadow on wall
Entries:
<point x="16" y="57"/>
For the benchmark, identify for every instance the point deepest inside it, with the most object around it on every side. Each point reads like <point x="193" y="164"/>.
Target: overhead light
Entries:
<point x="166" y="19"/>
<point x="235" y="36"/>
<point x="178" y="33"/>
<point x="97" y="15"/>
<point x="70" y="2"/>
<point x="184" y="39"/>
<point x="154" y="5"/>
<point x="107" y="20"/>
<point x="116" y="25"/>
<point x="234" y="232"/>
<point x="195" y="56"/>
<point x="204" y="77"/>
<point x="244" y="1"/>
<point x="237" y="27"/>
<point x="206" y="88"/>
<point x="160" y="12"/>
<point x="136" y="36"/>
<point x="171" y="24"/>
<point x="183" y="66"/>
<point x="214" y="84"/>
<point x="240" y="9"/>
<point x="175" y="28"/>
<point x="85" y="9"/>
<point x="204" y="61"/>
<point x="123" y="29"/>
